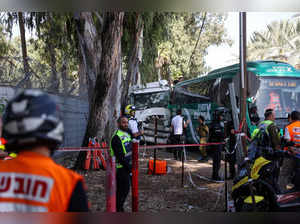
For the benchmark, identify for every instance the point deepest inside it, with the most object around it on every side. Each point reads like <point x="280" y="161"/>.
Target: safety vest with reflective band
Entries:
<point x="35" y="183"/>
<point x="262" y="125"/>
<point x="294" y="132"/>
<point x="126" y="146"/>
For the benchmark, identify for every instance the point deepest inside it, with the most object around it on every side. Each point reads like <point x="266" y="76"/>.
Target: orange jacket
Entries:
<point x="35" y="183"/>
<point x="294" y="132"/>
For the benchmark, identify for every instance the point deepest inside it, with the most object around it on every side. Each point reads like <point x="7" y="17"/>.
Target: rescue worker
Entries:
<point x="33" y="182"/>
<point x="178" y="124"/>
<point x="292" y="135"/>
<point x="121" y="148"/>
<point x="253" y="115"/>
<point x="203" y="132"/>
<point x="132" y="122"/>
<point x="268" y="136"/>
<point x="217" y="134"/>
<point x="3" y="153"/>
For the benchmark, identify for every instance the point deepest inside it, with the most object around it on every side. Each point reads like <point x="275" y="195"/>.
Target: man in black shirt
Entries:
<point x="121" y="148"/>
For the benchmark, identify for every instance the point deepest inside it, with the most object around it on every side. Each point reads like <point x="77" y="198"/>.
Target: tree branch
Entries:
<point x="201" y="29"/>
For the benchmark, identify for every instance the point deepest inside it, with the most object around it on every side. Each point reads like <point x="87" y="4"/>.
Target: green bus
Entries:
<point x="270" y="84"/>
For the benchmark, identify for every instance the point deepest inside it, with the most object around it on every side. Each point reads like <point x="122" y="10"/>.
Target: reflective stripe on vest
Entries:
<point x="262" y="125"/>
<point x="294" y="131"/>
<point x="125" y="140"/>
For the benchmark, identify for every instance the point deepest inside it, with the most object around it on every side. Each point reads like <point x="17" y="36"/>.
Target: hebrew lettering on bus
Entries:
<point x="204" y="110"/>
<point x="25" y="186"/>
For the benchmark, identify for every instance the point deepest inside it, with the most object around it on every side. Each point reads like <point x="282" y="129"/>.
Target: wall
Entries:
<point x="73" y="111"/>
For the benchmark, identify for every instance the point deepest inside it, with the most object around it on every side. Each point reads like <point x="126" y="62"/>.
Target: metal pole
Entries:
<point x="135" y="174"/>
<point x="243" y="67"/>
<point x="182" y="166"/>
<point x="243" y="104"/>
<point x="110" y="187"/>
<point x="226" y="184"/>
<point x="155" y="142"/>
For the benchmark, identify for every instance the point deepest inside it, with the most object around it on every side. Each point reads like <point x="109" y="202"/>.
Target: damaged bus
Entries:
<point x="270" y="84"/>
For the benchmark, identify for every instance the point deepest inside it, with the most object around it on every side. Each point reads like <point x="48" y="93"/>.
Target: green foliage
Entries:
<point x="279" y="41"/>
<point x="54" y="33"/>
<point x="190" y="34"/>
<point x="170" y="40"/>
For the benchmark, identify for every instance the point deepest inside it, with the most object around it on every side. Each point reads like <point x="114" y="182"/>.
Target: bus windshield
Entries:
<point x="154" y="99"/>
<point x="280" y="94"/>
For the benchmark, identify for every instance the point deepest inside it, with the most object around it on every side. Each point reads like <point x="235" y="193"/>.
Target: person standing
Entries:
<point x="33" y="182"/>
<point x="203" y="132"/>
<point x="253" y="115"/>
<point x="132" y="122"/>
<point x="177" y="128"/>
<point x="121" y="148"/>
<point x="268" y="136"/>
<point x="292" y="135"/>
<point x="217" y="134"/>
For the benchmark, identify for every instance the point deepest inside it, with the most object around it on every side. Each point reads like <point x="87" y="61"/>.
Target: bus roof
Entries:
<point x="260" y="68"/>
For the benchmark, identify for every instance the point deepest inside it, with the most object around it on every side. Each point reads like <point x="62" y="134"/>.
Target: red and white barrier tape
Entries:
<point x="76" y="149"/>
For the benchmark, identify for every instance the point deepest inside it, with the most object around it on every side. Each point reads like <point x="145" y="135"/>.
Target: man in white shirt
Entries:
<point x="177" y="126"/>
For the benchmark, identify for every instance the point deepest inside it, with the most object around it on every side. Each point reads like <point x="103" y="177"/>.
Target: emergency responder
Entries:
<point x="217" y="134"/>
<point x="178" y="124"/>
<point x="203" y="132"/>
<point x="253" y="115"/>
<point x="121" y="148"/>
<point x="132" y="122"/>
<point x="269" y="138"/>
<point x="33" y="182"/>
<point x="3" y="153"/>
<point x="292" y="135"/>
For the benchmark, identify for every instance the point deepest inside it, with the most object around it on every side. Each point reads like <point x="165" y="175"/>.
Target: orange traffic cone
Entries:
<point x="87" y="160"/>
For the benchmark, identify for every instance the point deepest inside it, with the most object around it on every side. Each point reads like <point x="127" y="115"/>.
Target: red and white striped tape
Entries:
<point x="76" y="149"/>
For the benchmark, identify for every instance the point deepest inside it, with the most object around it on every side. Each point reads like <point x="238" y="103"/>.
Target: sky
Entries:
<point x="256" y="21"/>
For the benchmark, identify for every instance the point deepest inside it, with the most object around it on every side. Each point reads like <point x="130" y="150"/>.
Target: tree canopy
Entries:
<point x="279" y="41"/>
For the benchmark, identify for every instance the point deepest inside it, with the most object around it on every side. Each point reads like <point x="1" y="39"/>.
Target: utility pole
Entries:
<point x="243" y="98"/>
<point x="243" y="78"/>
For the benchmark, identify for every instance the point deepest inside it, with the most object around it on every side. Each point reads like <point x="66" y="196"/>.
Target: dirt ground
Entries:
<point x="163" y="193"/>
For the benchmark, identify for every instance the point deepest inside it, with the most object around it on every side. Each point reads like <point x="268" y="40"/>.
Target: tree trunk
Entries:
<point x="83" y="87"/>
<point x="54" y="82"/>
<point x="105" y="101"/>
<point x="26" y="81"/>
<point x="90" y="51"/>
<point x="64" y="76"/>
<point x="134" y="61"/>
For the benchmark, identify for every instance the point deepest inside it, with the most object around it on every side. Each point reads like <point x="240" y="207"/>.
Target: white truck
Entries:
<point x="151" y="102"/>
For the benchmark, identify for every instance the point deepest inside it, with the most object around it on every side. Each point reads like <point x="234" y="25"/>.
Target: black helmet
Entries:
<point x="31" y="118"/>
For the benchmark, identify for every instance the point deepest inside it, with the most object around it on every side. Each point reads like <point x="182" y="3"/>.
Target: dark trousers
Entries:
<point x="231" y="159"/>
<point x="296" y="176"/>
<point x="216" y="156"/>
<point x="177" y="152"/>
<point x="123" y="186"/>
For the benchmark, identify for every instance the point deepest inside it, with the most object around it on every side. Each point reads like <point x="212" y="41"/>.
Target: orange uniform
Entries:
<point x="292" y="132"/>
<point x="35" y="183"/>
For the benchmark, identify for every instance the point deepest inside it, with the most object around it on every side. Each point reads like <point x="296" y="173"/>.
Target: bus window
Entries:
<point x="280" y="94"/>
